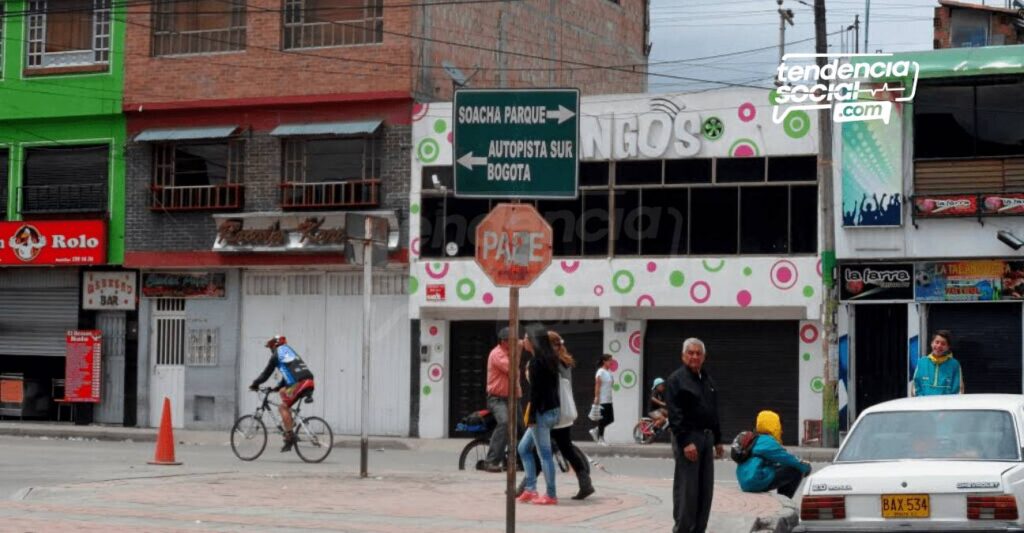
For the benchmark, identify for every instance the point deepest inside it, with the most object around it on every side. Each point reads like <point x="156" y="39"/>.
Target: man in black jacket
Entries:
<point x="696" y="434"/>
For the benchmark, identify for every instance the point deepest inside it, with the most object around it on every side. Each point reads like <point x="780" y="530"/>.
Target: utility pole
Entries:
<point x="856" y="34"/>
<point x="867" y="24"/>
<point x="830" y="304"/>
<point x="785" y="15"/>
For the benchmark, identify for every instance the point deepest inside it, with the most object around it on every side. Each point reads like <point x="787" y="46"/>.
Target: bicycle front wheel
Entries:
<point x="474" y="452"/>
<point x="248" y="437"/>
<point x="314" y="440"/>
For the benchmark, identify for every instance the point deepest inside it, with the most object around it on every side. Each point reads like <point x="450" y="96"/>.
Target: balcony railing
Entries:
<point x="936" y="176"/>
<point x="68" y="198"/>
<point x="198" y="42"/>
<point x="353" y="193"/>
<point x="196" y="198"/>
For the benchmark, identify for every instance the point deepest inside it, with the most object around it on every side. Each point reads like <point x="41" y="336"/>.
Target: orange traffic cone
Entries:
<point x="165" y="439"/>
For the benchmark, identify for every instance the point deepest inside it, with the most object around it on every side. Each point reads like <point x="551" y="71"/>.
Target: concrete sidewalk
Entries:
<point x="117" y="433"/>
<point x="391" y="501"/>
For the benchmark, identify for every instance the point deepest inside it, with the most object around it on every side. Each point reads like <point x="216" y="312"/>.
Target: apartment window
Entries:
<point x="968" y="28"/>
<point x="331" y="172"/>
<point x="65" y="179"/>
<point x="68" y="33"/>
<point x="198" y="26"/>
<point x="323" y="23"/>
<point x="196" y="176"/>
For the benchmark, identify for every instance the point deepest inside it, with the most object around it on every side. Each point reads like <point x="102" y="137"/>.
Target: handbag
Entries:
<point x="595" y="413"/>
<point x="567" y="410"/>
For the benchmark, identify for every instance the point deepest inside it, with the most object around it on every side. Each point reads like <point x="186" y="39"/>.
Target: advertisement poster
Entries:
<point x="969" y="281"/>
<point x="53" y="242"/>
<point x="946" y="205"/>
<point x="175" y="285"/>
<point x="109" y="290"/>
<point x="877" y="282"/>
<point x="82" y="371"/>
<point x="872" y="171"/>
<point x="1008" y="203"/>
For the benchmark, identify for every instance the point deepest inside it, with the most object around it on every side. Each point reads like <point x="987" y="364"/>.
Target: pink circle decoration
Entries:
<point x="451" y="136"/>
<point x="819" y="268"/>
<point x="635" y="340"/>
<point x="436" y="275"/>
<point x="414" y="247"/>
<point x="652" y="266"/>
<point x="433" y="331"/>
<point x="703" y="288"/>
<point x="488" y="298"/>
<point x="598" y="290"/>
<point x="645" y="298"/>
<point x="784" y="274"/>
<point x="808" y="333"/>
<point x="570" y="266"/>
<point x="743" y="298"/>
<point x="614" y="366"/>
<point x="419" y="111"/>
<point x="747" y="112"/>
<point x="743" y="150"/>
<point x="435" y="372"/>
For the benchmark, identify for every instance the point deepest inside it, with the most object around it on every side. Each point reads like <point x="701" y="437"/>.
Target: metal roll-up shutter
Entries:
<point x="37" y="307"/>
<point x="754" y="363"/>
<point x="986" y="341"/>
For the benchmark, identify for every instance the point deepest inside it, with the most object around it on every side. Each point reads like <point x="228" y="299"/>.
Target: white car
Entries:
<point x="937" y="463"/>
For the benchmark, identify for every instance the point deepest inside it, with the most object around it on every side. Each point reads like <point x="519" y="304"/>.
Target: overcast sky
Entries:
<point x="686" y="29"/>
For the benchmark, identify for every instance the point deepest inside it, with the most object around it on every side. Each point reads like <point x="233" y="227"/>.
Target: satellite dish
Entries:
<point x="454" y="73"/>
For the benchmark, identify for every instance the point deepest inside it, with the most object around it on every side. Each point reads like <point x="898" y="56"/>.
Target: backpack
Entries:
<point x="477" y="422"/>
<point x="742" y="446"/>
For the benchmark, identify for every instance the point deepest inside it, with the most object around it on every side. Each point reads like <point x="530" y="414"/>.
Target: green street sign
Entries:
<point x="516" y="143"/>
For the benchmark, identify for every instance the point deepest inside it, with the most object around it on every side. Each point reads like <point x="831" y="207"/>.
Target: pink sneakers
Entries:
<point x="545" y="500"/>
<point x="527" y="496"/>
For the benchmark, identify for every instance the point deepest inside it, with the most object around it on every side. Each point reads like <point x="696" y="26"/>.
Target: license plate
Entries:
<point x="906" y="506"/>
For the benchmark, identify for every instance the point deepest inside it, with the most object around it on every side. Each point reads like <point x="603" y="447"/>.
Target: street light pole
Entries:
<point x="364" y="441"/>
<point x="785" y="15"/>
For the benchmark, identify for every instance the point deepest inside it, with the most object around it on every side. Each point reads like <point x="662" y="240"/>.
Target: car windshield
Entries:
<point x="956" y="434"/>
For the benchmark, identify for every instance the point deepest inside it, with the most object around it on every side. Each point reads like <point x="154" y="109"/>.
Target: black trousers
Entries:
<point x="563" y="439"/>
<point x="787" y="480"/>
<point x="607" y="417"/>
<point x="693" y="486"/>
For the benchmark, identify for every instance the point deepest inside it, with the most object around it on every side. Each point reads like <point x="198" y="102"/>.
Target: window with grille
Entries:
<point x="331" y="172"/>
<point x="202" y="347"/>
<point x="169" y="322"/>
<point x="68" y="33"/>
<point x="65" y="179"/>
<point x="323" y="23"/>
<point x="198" y="176"/>
<point x="198" y="26"/>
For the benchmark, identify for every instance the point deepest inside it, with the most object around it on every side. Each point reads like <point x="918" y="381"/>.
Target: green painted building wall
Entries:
<point x="64" y="109"/>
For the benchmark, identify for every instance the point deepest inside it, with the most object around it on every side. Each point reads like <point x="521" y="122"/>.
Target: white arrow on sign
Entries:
<point x="562" y="114"/>
<point x="469" y="161"/>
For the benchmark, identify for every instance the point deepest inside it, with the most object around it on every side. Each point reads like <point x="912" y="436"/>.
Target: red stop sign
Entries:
<point x="513" y="245"/>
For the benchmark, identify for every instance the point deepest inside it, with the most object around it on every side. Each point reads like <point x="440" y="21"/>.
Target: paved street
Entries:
<point x="87" y="485"/>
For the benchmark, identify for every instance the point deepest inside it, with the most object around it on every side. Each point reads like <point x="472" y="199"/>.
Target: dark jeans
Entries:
<point x="563" y="439"/>
<point x="607" y="417"/>
<point x="787" y="480"/>
<point x="693" y="486"/>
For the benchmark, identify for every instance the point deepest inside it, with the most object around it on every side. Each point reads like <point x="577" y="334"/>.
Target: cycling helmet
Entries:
<point x="657" y="381"/>
<point x="276" y="341"/>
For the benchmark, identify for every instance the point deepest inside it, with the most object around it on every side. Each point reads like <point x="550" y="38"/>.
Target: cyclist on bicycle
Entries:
<point x="296" y="382"/>
<point x="658" y="407"/>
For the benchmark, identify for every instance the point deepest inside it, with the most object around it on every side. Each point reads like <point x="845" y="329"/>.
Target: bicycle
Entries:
<point x="644" y="432"/>
<point x="313" y="436"/>
<point x="482" y="423"/>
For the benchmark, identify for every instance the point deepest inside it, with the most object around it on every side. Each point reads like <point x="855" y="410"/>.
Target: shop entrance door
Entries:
<point x="168" y="349"/>
<point x="880" y="354"/>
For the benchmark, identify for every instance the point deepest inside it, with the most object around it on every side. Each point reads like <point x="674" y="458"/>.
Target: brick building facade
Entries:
<point x="961" y="24"/>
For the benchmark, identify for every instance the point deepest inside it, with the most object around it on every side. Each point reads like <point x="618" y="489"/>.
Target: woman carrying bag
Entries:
<point x="562" y="432"/>
<point x="541" y="416"/>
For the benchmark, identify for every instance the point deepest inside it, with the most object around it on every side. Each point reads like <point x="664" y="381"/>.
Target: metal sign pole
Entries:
<point x="364" y="442"/>
<point x="513" y="408"/>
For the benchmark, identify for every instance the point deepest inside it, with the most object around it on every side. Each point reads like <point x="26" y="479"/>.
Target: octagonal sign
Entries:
<point x="513" y="245"/>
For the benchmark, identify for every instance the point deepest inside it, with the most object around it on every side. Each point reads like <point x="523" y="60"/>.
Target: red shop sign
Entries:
<point x="82" y="371"/>
<point x="1003" y="204"/>
<point x="53" y="242"/>
<point x="946" y="205"/>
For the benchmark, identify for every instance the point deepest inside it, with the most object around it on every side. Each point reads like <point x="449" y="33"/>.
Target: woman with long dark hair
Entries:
<point x="563" y="435"/>
<point x="541" y="416"/>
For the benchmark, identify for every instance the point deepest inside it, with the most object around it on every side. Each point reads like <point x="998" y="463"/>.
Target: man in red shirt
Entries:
<point x="497" y="401"/>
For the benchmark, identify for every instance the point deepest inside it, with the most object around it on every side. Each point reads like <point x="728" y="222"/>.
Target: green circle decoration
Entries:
<point x="797" y="124"/>
<point x="716" y="268"/>
<point x="559" y="291"/>
<point x="628" y="379"/>
<point x="808" y="291"/>
<point x="747" y="271"/>
<point x="631" y="281"/>
<point x="677" y="278"/>
<point x="615" y="387"/>
<point x="773" y="97"/>
<point x="440" y="126"/>
<point x="414" y="209"/>
<point x="817" y="384"/>
<point x="465" y="289"/>
<point x="807" y="356"/>
<point x="414" y="284"/>
<point x="428" y="150"/>
<point x="713" y="128"/>
<point x="427" y="390"/>
<point x="614" y="346"/>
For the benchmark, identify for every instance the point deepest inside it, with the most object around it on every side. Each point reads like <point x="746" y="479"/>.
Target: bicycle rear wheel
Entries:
<point x="248" y="437"/>
<point x="314" y="440"/>
<point x="474" y="452"/>
<point x="643" y="431"/>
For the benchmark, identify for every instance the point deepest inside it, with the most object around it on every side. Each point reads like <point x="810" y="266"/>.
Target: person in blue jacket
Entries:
<point x="770" y="466"/>
<point x="938" y="372"/>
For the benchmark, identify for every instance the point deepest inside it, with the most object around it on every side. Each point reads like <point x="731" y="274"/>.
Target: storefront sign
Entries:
<point x="872" y="171"/>
<point x="82" y="371"/>
<point x="53" y="242"/>
<point x="1002" y="204"/>
<point x="183" y="285"/>
<point x="298" y="232"/>
<point x="946" y="205"/>
<point x="109" y="290"/>
<point x="886" y="282"/>
<point x="969" y="281"/>
<point x="435" y="293"/>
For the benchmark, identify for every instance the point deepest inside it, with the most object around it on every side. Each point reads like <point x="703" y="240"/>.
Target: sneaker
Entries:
<point x="527" y="496"/>
<point x="491" y="467"/>
<point x="289" y="441"/>
<point x="545" y="500"/>
<point x="584" y="492"/>
<point x="593" y="435"/>
<point x="602" y="442"/>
